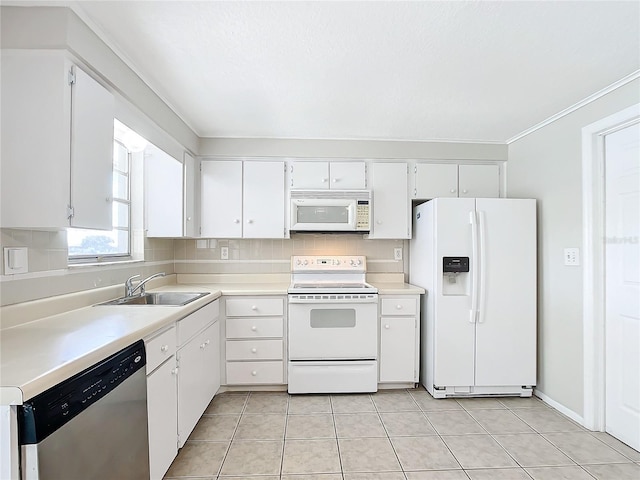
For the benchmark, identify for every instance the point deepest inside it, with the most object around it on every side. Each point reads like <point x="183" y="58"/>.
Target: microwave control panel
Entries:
<point x="362" y="215"/>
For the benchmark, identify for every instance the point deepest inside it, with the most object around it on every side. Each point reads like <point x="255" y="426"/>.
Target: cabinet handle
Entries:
<point x="325" y="180"/>
<point x="236" y="221"/>
<point x="335" y="180"/>
<point x="254" y="328"/>
<point x="254" y="373"/>
<point x="164" y="348"/>
<point x="249" y="221"/>
<point x="202" y="345"/>
<point x="465" y="191"/>
<point x="399" y="307"/>
<point x="387" y="326"/>
<point x="378" y="222"/>
<point x="108" y="199"/>
<point x="453" y="190"/>
<point x="174" y="371"/>
<point x="254" y="350"/>
<point x="207" y="342"/>
<point x="188" y="219"/>
<point x="253" y="307"/>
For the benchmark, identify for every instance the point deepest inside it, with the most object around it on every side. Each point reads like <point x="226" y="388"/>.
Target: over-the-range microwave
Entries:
<point x="330" y="211"/>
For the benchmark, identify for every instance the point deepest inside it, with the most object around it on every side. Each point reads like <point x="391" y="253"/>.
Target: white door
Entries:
<point x="348" y="175"/>
<point x="221" y="199"/>
<point x="190" y="196"/>
<point x="506" y="325"/>
<point x="163" y="184"/>
<point x="391" y="206"/>
<point x="479" y="181"/>
<point x="622" y="284"/>
<point x="263" y="200"/>
<point x="435" y="180"/>
<point x="310" y="175"/>
<point x="397" y="349"/>
<point x="162" y="407"/>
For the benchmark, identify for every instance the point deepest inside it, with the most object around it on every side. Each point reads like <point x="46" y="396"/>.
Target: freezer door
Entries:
<point x="506" y="328"/>
<point x="454" y="333"/>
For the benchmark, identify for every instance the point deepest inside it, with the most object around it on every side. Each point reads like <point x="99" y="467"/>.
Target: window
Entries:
<point x="87" y="246"/>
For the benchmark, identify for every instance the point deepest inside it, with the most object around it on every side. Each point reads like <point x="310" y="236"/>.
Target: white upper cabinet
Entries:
<point x="242" y="199"/>
<point x="163" y="184"/>
<point x="479" y="181"/>
<point x="54" y="156"/>
<point x="92" y="109"/>
<point x="221" y="199"/>
<point x="191" y="172"/>
<point x="263" y="205"/>
<point x="433" y="180"/>
<point x="328" y="175"/>
<point x="436" y="180"/>
<point x="391" y="206"/>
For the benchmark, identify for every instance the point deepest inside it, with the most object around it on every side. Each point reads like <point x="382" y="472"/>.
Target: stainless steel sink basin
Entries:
<point x="176" y="299"/>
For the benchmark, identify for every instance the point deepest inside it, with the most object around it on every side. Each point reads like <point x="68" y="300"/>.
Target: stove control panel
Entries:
<point x="331" y="263"/>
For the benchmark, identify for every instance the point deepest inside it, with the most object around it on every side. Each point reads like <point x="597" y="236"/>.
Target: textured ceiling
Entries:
<point x="475" y="71"/>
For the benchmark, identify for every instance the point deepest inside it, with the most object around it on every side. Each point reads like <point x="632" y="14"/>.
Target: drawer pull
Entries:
<point x="254" y="328"/>
<point x="387" y="326"/>
<point x="253" y="307"/>
<point x="399" y="307"/>
<point x="254" y="350"/>
<point x="254" y="373"/>
<point x="164" y="348"/>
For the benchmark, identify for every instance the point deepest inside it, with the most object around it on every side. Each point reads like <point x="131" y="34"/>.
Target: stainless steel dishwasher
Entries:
<point x="91" y="426"/>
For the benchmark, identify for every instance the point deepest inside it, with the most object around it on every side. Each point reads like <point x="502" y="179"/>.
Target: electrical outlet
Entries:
<point x="224" y="253"/>
<point x="572" y="256"/>
<point x="397" y="253"/>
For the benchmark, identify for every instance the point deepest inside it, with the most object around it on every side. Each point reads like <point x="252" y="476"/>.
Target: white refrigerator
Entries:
<point x="476" y="257"/>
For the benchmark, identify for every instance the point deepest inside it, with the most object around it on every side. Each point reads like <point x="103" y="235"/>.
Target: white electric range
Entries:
<point x="332" y="325"/>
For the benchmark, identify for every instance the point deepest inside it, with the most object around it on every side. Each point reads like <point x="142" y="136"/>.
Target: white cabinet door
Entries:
<point x="347" y="175"/>
<point x="162" y="409"/>
<point x="92" y="110"/>
<point x="479" y="181"/>
<point x="163" y="192"/>
<point x="263" y="200"/>
<point x="328" y="175"/>
<point x="310" y="175"/>
<point x="397" y="349"/>
<point x="211" y="361"/>
<point x="221" y="199"/>
<point x="391" y="206"/>
<point x="190" y="215"/>
<point x="433" y="180"/>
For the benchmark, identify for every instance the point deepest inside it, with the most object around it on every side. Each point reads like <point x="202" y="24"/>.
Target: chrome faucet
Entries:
<point x="130" y="290"/>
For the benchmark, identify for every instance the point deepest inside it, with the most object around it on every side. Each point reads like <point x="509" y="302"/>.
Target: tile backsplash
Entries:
<point x="50" y="275"/>
<point x="274" y="256"/>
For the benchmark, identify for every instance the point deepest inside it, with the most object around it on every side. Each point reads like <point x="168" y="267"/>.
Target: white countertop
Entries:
<point x="37" y="355"/>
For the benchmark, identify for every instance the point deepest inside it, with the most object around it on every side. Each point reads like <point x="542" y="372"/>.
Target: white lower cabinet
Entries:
<point x="254" y="346"/>
<point x="198" y="362"/>
<point x="162" y="401"/>
<point x="162" y="408"/>
<point x="399" y="338"/>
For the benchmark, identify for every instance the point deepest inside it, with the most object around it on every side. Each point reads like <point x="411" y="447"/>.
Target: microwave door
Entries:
<point x="319" y="215"/>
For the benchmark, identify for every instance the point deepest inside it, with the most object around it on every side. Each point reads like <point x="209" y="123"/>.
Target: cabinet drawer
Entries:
<point x="254" y="327"/>
<point x="254" y="307"/>
<point x="398" y="306"/>
<point x="196" y="321"/>
<point x="159" y="348"/>
<point x="254" y="349"/>
<point x="254" y="372"/>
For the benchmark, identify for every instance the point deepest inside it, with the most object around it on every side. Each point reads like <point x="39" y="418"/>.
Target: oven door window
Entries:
<point x="333" y="318"/>
<point x="324" y="214"/>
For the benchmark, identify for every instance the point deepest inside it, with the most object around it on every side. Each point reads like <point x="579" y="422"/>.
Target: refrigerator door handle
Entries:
<point x="482" y="247"/>
<point x="473" y="314"/>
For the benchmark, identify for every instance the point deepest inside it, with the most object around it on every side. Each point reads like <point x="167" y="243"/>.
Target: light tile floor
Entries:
<point x="395" y="435"/>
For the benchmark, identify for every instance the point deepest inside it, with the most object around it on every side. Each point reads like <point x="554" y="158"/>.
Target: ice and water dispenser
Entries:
<point x="455" y="276"/>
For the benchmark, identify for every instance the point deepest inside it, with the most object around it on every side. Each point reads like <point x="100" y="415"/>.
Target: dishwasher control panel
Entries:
<point x="48" y="411"/>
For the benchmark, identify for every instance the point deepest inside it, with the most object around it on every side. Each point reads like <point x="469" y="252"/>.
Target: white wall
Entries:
<point x="547" y="165"/>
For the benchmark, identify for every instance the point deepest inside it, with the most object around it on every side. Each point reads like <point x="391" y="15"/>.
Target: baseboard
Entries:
<point x="558" y="406"/>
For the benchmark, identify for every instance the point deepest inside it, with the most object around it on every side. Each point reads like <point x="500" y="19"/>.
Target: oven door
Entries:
<point x="333" y="331"/>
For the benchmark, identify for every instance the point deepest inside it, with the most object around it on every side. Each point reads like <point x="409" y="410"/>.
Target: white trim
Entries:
<point x="593" y="257"/>
<point x="561" y="408"/>
<point x="591" y="98"/>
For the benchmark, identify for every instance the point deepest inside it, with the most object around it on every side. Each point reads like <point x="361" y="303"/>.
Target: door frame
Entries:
<point x="593" y="233"/>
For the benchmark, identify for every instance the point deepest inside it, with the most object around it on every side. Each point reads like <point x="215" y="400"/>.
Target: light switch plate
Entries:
<point x="16" y="260"/>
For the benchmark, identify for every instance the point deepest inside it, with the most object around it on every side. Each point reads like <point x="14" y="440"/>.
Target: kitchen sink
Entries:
<point x="176" y="299"/>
